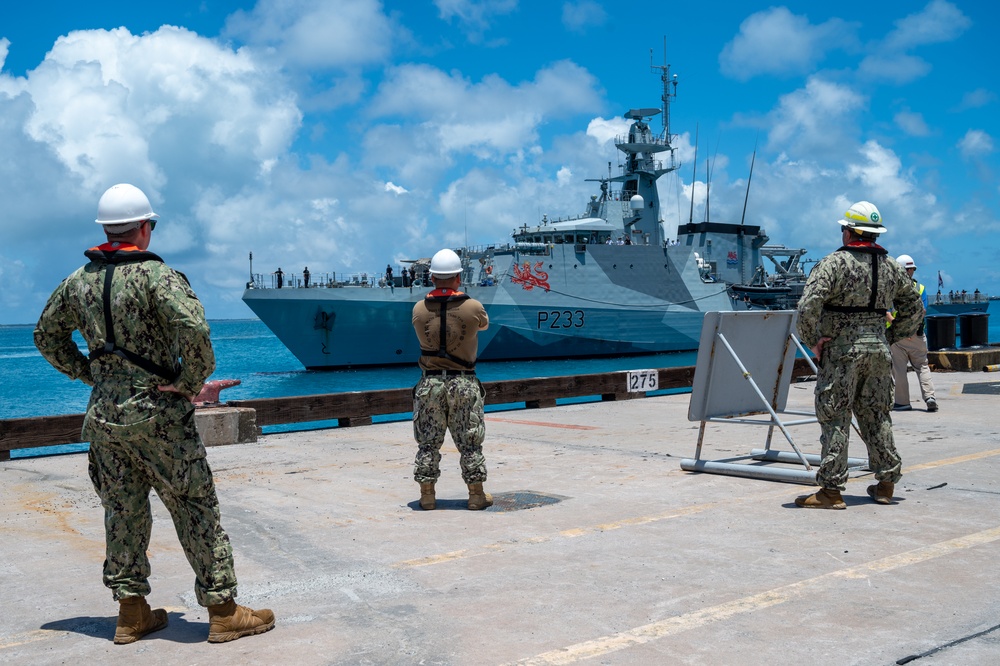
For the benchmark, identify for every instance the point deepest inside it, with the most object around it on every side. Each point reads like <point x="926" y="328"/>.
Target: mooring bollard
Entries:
<point x="210" y="391"/>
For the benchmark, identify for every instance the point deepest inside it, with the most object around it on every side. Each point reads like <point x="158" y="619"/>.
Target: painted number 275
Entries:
<point x="643" y="380"/>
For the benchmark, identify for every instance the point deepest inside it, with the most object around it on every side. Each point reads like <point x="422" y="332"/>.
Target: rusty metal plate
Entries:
<point x="522" y="499"/>
<point x="502" y="502"/>
<point x="983" y="388"/>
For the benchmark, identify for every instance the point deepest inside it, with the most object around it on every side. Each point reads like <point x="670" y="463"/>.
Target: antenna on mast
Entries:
<point x="746" y="198"/>
<point x="749" y="178"/>
<point x="708" y="188"/>
<point x="667" y="94"/>
<point x="709" y="170"/>
<point x="694" y="174"/>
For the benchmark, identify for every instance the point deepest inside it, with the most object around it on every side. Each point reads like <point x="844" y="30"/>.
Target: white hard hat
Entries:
<point x="445" y="264"/>
<point x="906" y="261"/>
<point x="124" y="203"/>
<point x="863" y="216"/>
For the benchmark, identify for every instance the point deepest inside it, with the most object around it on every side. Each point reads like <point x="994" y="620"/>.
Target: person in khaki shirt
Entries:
<point x="449" y="396"/>
<point x="912" y="350"/>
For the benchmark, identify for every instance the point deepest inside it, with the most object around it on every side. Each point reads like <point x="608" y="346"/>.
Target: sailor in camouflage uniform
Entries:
<point x="150" y="354"/>
<point x="841" y="317"/>
<point x="449" y="396"/>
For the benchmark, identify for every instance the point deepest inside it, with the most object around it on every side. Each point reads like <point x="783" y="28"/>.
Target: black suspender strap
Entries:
<point x="109" y="324"/>
<point x="442" y="351"/>
<point x="443" y="332"/>
<point x="859" y="309"/>
<point x="111" y="346"/>
<point x="871" y="302"/>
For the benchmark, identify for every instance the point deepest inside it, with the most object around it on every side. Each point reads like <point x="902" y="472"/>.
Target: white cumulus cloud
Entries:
<point x="475" y="16"/>
<point x="817" y="117"/>
<point x="977" y="98"/>
<point x="975" y="143"/>
<point x="448" y="114"/>
<point x="776" y="41"/>
<point x="578" y="16"/>
<point x="890" y="60"/>
<point x="187" y="119"/>
<point x="939" y="21"/>
<point x="912" y="123"/>
<point x="316" y="33"/>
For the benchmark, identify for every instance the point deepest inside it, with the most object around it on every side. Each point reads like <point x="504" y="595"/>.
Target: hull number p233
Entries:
<point x="560" y="319"/>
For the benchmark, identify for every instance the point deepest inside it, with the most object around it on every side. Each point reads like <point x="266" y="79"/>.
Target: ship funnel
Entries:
<point x="636" y="203"/>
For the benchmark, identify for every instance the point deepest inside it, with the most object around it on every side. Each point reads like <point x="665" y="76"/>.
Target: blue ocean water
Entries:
<point x="246" y="350"/>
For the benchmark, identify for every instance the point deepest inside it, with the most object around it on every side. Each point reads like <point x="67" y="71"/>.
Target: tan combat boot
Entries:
<point x="427" y="500"/>
<point x="882" y="493"/>
<point x="824" y="498"/>
<point x="228" y="621"/>
<point x="136" y="619"/>
<point x="478" y="498"/>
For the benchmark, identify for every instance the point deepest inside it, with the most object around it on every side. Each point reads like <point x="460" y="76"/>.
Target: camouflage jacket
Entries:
<point x="843" y="279"/>
<point x="155" y="315"/>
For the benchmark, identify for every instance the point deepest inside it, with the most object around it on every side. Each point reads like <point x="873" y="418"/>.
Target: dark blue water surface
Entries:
<point x="248" y="351"/>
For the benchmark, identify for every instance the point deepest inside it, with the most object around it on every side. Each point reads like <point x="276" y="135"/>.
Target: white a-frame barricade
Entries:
<point x="744" y="369"/>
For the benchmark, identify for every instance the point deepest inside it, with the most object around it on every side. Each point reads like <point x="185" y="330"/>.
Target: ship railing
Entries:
<point x="474" y="273"/>
<point x="476" y="251"/>
<point x="331" y="280"/>
<point x="649" y="139"/>
<point x="959" y="299"/>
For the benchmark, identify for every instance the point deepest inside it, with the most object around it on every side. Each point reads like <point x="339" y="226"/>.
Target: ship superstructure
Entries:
<point x="607" y="282"/>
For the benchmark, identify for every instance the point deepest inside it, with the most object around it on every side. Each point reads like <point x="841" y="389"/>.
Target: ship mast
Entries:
<point x="638" y="209"/>
<point x="642" y="167"/>
<point x="666" y="95"/>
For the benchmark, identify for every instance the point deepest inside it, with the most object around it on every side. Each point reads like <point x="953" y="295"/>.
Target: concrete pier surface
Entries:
<point x="600" y="549"/>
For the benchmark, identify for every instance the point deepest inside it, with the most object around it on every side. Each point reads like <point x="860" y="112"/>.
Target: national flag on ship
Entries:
<point x="940" y="281"/>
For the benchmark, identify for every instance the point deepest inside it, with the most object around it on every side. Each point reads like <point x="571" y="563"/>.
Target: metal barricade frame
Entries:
<point x="758" y="346"/>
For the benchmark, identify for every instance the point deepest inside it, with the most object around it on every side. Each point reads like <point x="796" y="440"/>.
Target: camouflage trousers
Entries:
<point x="455" y="404"/>
<point x="858" y="381"/>
<point x="123" y="474"/>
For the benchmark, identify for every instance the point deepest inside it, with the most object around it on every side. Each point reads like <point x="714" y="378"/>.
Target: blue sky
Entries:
<point x="346" y="134"/>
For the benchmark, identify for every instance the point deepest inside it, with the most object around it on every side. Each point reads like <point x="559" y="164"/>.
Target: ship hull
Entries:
<point x="959" y="308"/>
<point x="598" y="301"/>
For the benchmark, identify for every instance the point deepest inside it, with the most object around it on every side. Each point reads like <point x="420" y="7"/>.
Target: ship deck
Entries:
<point x="600" y="549"/>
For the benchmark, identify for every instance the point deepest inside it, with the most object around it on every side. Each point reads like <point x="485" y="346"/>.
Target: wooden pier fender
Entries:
<point x="239" y="421"/>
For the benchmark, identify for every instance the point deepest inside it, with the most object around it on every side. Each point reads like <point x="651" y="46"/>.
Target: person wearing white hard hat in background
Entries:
<point x="912" y="350"/>
<point x="449" y="396"/>
<point x="150" y="354"/>
<point x="841" y="318"/>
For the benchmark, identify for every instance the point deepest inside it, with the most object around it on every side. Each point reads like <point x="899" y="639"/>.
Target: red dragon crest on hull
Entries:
<point x="523" y="276"/>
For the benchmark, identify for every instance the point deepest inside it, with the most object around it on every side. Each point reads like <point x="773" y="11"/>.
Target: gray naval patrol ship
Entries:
<point x="608" y="282"/>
